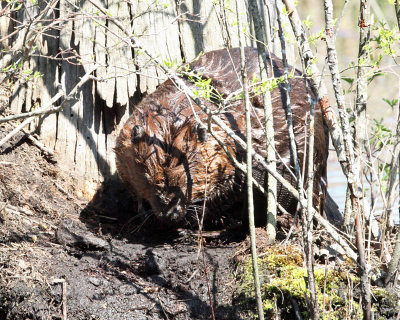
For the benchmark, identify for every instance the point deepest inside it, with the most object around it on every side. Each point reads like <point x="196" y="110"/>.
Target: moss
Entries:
<point x="268" y="305"/>
<point x="284" y="278"/>
<point x="385" y="303"/>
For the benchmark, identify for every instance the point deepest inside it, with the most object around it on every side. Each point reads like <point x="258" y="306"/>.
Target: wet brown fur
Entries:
<point x="171" y="168"/>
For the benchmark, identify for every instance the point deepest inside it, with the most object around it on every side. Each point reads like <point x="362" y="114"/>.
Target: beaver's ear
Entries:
<point x="201" y="133"/>
<point x="137" y="133"/>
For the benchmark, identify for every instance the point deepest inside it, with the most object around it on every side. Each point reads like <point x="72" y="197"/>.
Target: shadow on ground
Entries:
<point x="57" y="249"/>
<point x="133" y="268"/>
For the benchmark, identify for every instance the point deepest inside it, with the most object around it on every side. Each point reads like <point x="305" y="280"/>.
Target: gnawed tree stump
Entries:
<point x="83" y="134"/>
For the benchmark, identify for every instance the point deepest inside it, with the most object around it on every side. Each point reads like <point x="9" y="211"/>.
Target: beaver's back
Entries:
<point x="170" y="155"/>
<point x="217" y="65"/>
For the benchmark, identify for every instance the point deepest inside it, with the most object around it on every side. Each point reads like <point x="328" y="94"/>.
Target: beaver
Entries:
<point x="164" y="157"/>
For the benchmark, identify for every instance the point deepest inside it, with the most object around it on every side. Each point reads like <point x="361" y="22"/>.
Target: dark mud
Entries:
<point x="69" y="250"/>
<point x="61" y="255"/>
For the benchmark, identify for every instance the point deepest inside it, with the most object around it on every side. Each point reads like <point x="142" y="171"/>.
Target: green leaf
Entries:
<point x="375" y="75"/>
<point x="392" y="103"/>
<point x="348" y="80"/>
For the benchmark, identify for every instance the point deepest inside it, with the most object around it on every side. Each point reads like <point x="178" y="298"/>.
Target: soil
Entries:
<point x="58" y="249"/>
<point x="78" y="250"/>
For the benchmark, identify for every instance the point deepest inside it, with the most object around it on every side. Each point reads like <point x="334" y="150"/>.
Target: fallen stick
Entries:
<point x="63" y="282"/>
<point x="16" y="130"/>
<point x="49" y="153"/>
<point x="16" y="209"/>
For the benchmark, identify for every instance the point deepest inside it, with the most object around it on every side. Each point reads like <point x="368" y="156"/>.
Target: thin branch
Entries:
<point x="39" y="112"/>
<point x="394" y="262"/>
<point x="322" y="221"/>
<point x="317" y="85"/>
<point x="27" y="39"/>
<point x="306" y="225"/>
<point x="16" y="130"/>
<point x="45" y="150"/>
<point x="336" y="236"/>
<point x="337" y="139"/>
<point x="360" y="127"/>
<point x="269" y="122"/>
<point x="50" y="108"/>
<point x="249" y="168"/>
<point x="338" y="90"/>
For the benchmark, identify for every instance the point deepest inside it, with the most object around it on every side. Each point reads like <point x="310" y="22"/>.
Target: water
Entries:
<point x="336" y="181"/>
<point x="337" y="187"/>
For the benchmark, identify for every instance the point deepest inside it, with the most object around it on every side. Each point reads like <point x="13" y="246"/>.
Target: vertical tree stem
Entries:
<point x="397" y="8"/>
<point x="360" y="126"/>
<point x="269" y="124"/>
<point x="352" y="169"/>
<point x="317" y="85"/>
<point x="337" y="86"/>
<point x="306" y="225"/>
<point x="249" y="168"/>
<point x="394" y="262"/>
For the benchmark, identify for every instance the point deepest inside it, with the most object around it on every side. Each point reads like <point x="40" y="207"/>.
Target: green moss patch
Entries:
<point x="284" y="284"/>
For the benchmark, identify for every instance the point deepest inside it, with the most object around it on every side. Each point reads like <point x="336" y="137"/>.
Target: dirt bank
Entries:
<point x="56" y="249"/>
<point x="62" y="256"/>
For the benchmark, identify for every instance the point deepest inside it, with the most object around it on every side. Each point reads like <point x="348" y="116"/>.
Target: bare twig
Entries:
<point x="360" y="127"/>
<point x="317" y="85"/>
<point x="269" y="125"/>
<point x="394" y="262"/>
<point x="337" y="86"/>
<point x="307" y="223"/>
<point x="163" y="307"/>
<point x="391" y="195"/>
<point x="42" y="111"/>
<point x="397" y="9"/>
<point x="208" y="282"/>
<point x="337" y="139"/>
<point x="50" y="108"/>
<point x="26" y="40"/>
<point x="64" y="300"/>
<point x="17" y="209"/>
<point x="46" y="151"/>
<point x="352" y="173"/>
<point x="249" y="169"/>
<point x="15" y="131"/>
<point x="322" y="221"/>
<point x="202" y="249"/>
<point x="336" y="236"/>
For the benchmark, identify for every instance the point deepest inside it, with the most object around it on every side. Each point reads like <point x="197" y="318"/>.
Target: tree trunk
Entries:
<point x="83" y="134"/>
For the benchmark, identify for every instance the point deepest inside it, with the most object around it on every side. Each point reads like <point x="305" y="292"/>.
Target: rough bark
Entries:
<point x="83" y="134"/>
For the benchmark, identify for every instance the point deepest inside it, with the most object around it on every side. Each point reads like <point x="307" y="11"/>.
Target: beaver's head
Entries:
<point x="162" y="155"/>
